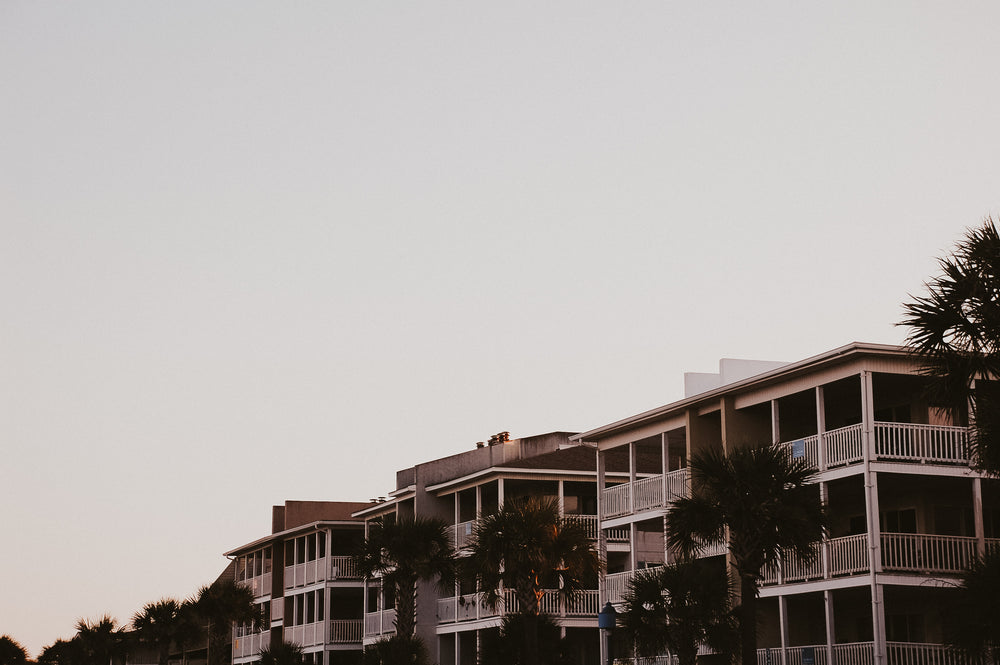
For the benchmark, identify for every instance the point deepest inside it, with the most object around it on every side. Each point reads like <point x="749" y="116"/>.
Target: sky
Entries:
<point x="253" y="251"/>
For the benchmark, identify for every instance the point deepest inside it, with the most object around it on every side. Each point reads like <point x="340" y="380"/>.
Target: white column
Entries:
<point x="872" y="510"/>
<point x="775" y="422"/>
<point x="830" y="632"/>
<point x="562" y="499"/>
<point x="820" y="427"/>
<point x="977" y="512"/>
<point x="783" y="624"/>
<point x="631" y="477"/>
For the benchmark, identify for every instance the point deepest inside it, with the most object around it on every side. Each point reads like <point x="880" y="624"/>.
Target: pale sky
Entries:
<point x="264" y="251"/>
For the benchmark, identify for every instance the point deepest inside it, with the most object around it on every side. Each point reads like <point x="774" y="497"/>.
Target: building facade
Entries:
<point x="466" y="487"/>
<point x="908" y="514"/>
<point x="304" y="579"/>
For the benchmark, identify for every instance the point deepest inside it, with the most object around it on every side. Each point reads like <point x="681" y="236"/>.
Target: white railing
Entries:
<point x="301" y="574"/>
<point x="618" y="535"/>
<point x="921" y="443"/>
<point x="616" y="500"/>
<point x="807" y="449"/>
<point x="380" y="623"/>
<point x="463" y="608"/>
<point x="306" y="635"/>
<point x="913" y="552"/>
<point x="260" y="585"/>
<point x="343" y="568"/>
<point x="899" y="442"/>
<point x="346" y="631"/>
<point x="793" y="655"/>
<point x="471" y="606"/>
<point x="847" y="555"/>
<point x="250" y="645"/>
<point x="863" y="653"/>
<point x="844" y="446"/>
<point x="712" y="549"/>
<point x="647" y="493"/>
<point x="589" y="522"/>
<point x="616" y="584"/>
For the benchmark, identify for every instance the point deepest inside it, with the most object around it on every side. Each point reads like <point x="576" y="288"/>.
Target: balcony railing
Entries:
<point x="380" y="623"/>
<point x="320" y="570"/>
<point x="923" y="553"/>
<point x="894" y="442"/>
<point x="901" y="553"/>
<point x="306" y="635"/>
<point x="647" y="493"/>
<point x="863" y="653"/>
<point x="616" y="584"/>
<point x="933" y="444"/>
<point x="250" y="645"/>
<point x="470" y="607"/>
<point x="345" y="631"/>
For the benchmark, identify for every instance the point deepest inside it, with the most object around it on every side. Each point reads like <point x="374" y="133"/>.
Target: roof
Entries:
<point x="782" y="373"/>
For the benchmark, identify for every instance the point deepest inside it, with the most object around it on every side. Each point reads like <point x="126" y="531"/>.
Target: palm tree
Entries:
<point x="763" y="498"/>
<point x="220" y="605"/>
<point x="955" y="330"/>
<point x="101" y="641"/>
<point x="11" y="652"/>
<point x="528" y="547"/>
<point x="281" y="653"/>
<point x="972" y="624"/>
<point x="404" y="551"/>
<point x="678" y="607"/>
<point x="163" y="624"/>
<point x="62" y="652"/>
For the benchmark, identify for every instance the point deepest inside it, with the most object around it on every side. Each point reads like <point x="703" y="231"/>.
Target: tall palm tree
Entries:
<point x="404" y="551"/>
<point x="955" y="330"/>
<point x="528" y="547"/>
<point x="101" y="641"/>
<point x="62" y="652"/>
<point x="163" y="624"/>
<point x="763" y="498"/>
<point x="972" y="624"/>
<point x="678" y="607"/>
<point x="220" y="605"/>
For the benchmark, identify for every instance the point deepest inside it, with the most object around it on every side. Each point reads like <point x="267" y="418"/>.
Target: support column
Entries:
<point x="820" y="428"/>
<point x="562" y="499"/>
<point x="872" y="511"/>
<point x="775" y="423"/>
<point x="977" y="512"/>
<point x="830" y="632"/>
<point x="783" y="627"/>
<point x="602" y="540"/>
<point x="632" y="470"/>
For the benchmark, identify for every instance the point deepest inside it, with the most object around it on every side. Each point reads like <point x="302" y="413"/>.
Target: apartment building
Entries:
<point x="465" y="487"/>
<point x="303" y="577"/>
<point x="908" y="513"/>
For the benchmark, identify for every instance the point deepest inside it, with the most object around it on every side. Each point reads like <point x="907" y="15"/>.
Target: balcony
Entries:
<point x="470" y="607"/>
<point x="248" y="645"/>
<point x="863" y="653"/>
<point x="650" y="493"/>
<point x="306" y="635"/>
<point x="321" y="570"/>
<point x="894" y="442"/>
<point x="380" y="623"/>
<point x="908" y="553"/>
<point x="345" y="631"/>
<point x="616" y="584"/>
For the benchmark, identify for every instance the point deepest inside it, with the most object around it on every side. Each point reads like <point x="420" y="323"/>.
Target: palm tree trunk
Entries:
<point x="406" y="607"/>
<point x="748" y="620"/>
<point x="531" y="639"/>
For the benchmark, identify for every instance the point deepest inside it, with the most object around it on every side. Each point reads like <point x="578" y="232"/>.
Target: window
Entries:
<point x="899" y="521"/>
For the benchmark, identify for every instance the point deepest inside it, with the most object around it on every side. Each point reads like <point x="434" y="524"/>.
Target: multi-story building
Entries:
<point x="303" y="577"/>
<point x="463" y="488"/>
<point x="907" y="512"/>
